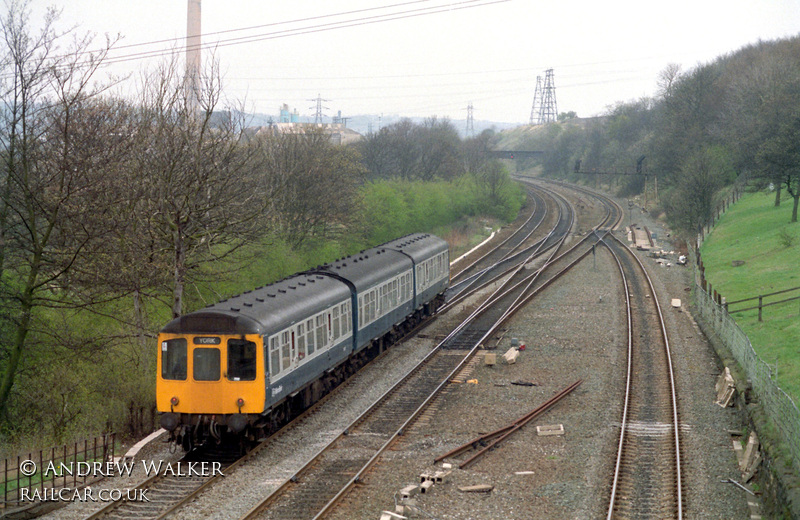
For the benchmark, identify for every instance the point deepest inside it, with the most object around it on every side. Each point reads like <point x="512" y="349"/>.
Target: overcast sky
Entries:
<point x="439" y="56"/>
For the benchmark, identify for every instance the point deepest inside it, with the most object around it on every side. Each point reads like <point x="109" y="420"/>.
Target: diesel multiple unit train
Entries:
<point x="240" y="368"/>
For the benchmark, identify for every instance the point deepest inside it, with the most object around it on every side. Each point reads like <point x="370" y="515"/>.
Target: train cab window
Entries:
<point x="173" y="359"/>
<point x="241" y="360"/>
<point x="206" y="364"/>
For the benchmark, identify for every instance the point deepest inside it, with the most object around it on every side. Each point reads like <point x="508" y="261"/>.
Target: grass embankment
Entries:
<point x="756" y="232"/>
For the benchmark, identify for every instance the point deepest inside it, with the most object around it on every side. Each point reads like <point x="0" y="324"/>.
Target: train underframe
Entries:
<point x="192" y="431"/>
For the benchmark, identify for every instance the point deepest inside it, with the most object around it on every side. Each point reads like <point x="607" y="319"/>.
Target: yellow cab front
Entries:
<point x="210" y="374"/>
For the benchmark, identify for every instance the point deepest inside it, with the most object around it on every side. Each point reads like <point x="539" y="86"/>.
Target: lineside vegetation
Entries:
<point x="118" y="213"/>
<point x="752" y="231"/>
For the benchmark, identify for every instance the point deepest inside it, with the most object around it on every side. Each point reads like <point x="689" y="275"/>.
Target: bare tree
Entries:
<point x="667" y="79"/>
<point x="438" y="149"/>
<point x="691" y="203"/>
<point x="302" y="170"/>
<point x="199" y="193"/>
<point x="412" y="151"/>
<point x="53" y="156"/>
<point x="781" y="152"/>
<point x="475" y="151"/>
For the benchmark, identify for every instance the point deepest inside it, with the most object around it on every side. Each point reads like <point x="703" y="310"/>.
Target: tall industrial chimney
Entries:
<point x="193" y="64"/>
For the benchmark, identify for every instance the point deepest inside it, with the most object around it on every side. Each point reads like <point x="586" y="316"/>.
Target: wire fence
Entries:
<point x="779" y="407"/>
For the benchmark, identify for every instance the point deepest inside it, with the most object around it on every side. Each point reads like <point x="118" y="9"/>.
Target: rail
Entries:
<point x="631" y="371"/>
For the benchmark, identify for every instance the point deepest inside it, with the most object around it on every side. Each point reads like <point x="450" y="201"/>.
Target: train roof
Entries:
<point x="367" y="268"/>
<point x="282" y="303"/>
<point x="371" y="266"/>
<point x="419" y="246"/>
<point x="265" y="309"/>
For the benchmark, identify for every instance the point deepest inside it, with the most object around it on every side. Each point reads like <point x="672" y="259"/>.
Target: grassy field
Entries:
<point x="756" y="232"/>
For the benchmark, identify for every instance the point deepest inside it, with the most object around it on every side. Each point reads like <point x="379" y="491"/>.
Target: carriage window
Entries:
<point x="322" y="335"/>
<point x="310" y="336"/>
<point x="173" y="359"/>
<point x="286" y="352"/>
<point x="301" y="341"/>
<point x="241" y="360"/>
<point x="346" y="319"/>
<point x="373" y="311"/>
<point x="274" y="357"/>
<point x="206" y="364"/>
<point x="336" y="328"/>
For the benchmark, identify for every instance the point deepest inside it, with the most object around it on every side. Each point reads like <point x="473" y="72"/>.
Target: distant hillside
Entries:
<point x="363" y="124"/>
<point x="520" y="137"/>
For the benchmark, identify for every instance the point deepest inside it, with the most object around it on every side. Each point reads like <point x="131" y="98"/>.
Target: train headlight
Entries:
<point x="240" y="403"/>
<point x="174" y="401"/>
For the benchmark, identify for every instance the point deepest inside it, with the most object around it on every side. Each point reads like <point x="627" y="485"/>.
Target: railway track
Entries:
<point x="514" y="241"/>
<point x="314" y="489"/>
<point x="304" y="495"/>
<point x="336" y="469"/>
<point x="647" y="479"/>
<point x="376" y="430"/>
<point x="165" y="491"/>
<point x="492" y="271"/>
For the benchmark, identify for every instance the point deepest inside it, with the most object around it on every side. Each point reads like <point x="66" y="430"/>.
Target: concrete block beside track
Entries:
<point x="511" y="356"/>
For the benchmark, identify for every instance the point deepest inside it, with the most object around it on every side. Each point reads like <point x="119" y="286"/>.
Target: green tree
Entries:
<point x="690" y="203"/>
<point x="781" y="151"/>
